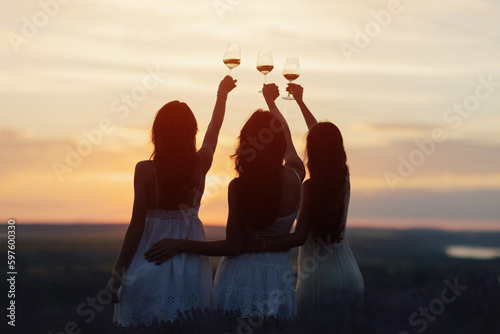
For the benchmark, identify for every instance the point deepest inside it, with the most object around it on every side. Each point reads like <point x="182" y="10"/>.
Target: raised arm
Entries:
<point x="292" y="159"/>
<point x="134" y="231"/>
<point x="207" y="150"/>
<point x="297" y="91"/>
<point x="166" y="248"/>
<point x="295" y="239"/>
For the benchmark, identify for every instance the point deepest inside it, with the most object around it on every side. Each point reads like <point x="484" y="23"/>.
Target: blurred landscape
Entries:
<point x="62" y="266"/>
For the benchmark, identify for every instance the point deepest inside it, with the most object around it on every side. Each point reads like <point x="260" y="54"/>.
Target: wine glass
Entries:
<point x="232" y="56"/>
<point x="291" y="71"/>
<point x="265" y="63"/>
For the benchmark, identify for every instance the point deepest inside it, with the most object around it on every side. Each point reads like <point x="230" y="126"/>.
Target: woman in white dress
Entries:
<point x="328" y="275"/>
<point x="167" y="193"/>
<point x="263" y="202"/>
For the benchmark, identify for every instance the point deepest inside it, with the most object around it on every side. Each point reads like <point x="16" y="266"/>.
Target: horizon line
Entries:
<point x="386" y="226"/>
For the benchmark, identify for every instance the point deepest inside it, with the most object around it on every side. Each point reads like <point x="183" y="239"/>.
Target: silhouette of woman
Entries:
<point x="263" y="202"/>
<point x="336" y="280"/>
<point x="167" y="193"/>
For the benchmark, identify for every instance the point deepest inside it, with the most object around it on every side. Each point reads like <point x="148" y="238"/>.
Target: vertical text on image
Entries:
<point x="11" y="272"/>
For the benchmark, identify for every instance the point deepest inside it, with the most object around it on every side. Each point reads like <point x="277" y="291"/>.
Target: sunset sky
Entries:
<point x="413" y="85"/>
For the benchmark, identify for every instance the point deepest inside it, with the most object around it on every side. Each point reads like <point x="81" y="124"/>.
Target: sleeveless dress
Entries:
<point x="151" y="292"/>
<point x="258" y="284"/>
<point x="328" y="275"/>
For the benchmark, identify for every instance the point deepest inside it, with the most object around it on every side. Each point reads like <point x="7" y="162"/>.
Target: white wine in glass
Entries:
<point x="232" y="56"/>
<point x="291" y="71"/>
<point x="265" y="63"/>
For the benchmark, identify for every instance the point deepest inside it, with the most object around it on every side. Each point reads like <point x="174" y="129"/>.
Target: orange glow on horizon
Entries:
<point x="398" y="224"/>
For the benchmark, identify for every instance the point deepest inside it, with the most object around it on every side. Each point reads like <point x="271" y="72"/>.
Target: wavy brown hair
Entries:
<point x="258" y="161"/>
<point x="327" y="164"/>
<point x="174" y="154"/>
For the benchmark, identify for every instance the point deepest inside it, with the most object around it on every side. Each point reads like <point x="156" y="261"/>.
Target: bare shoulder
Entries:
<point x="231" y="194"/>
<point x="306" y="188"/>
<point x="292" y="176"/>
<point x="144" y="165"/>
<point x="144" y="168"/>
<point x="292" y="182"/>
<point x="205" y="154"/>
<point x="231" y="186"/>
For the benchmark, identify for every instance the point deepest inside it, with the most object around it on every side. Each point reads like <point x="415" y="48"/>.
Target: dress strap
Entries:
<point x="156" y="183"/>
<point x="198" y="191"/>
<point x="300" y="188"/>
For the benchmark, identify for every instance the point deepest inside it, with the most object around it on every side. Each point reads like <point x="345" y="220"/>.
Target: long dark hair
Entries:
<point x="174" y="154"/>
<point x="259" y="162"/>
<point x="327" y="164"/>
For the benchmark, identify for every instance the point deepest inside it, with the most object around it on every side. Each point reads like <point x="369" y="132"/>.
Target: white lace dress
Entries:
<point x="328" y="275"/>
<point x="258" y="284"/>
<point x="156" y="292"/>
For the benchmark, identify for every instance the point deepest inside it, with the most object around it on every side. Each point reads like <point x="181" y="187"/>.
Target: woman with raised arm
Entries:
<point x="167" y="193"/>
<point x="263" y="202"/>
<point x="328" y="275"/>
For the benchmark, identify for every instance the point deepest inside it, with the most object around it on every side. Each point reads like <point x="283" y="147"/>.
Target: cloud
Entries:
<point x="97" y="189"/>
<point x="408" y="204"/>
<point x="452" y="165"/>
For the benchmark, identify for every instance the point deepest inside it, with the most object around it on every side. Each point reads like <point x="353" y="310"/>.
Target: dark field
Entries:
<point x="61" y="270"/>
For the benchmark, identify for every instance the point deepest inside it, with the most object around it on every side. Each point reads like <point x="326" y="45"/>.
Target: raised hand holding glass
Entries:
<point x="291" y="71"/>
<point x="265" y="63"/>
